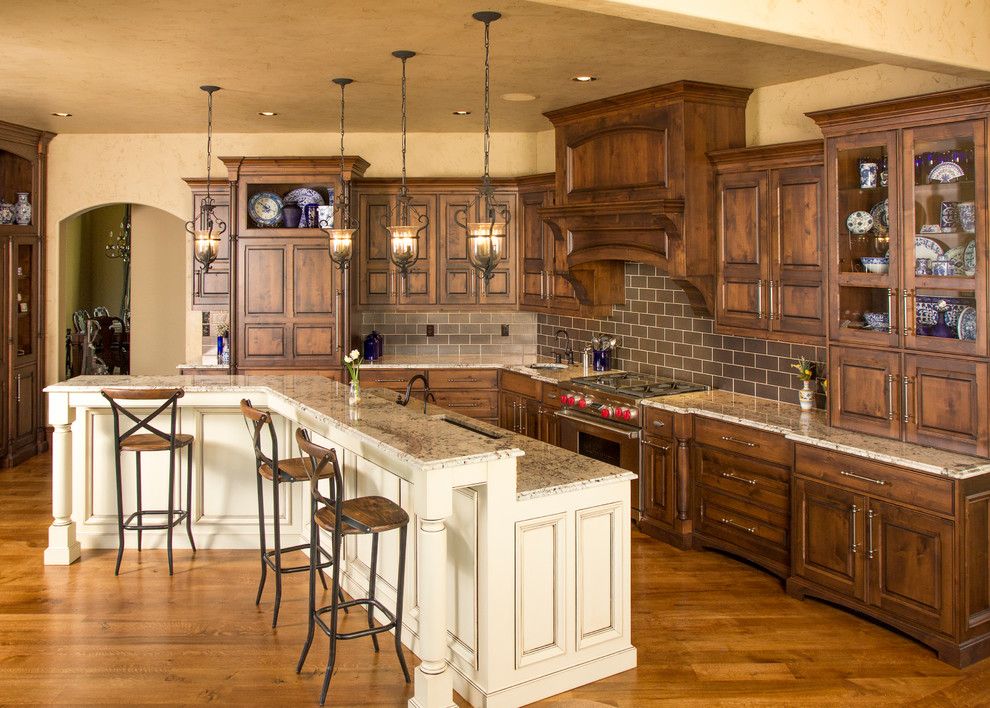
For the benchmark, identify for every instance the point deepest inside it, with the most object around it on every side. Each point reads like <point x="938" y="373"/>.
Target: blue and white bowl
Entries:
<point x="879" y="321"/>
<point x="875" y="264"/>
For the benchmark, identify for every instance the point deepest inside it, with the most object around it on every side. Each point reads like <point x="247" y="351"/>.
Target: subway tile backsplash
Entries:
<point x="660" y="335"/>
<point x="456" y="333"/>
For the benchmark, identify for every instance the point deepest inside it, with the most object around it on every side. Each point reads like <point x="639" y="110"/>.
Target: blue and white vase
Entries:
<point x="22" y="209"/>
<point x="6" y="212"/>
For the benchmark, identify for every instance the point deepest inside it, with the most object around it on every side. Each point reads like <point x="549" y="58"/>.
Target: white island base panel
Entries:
<point x="508" y="600"/>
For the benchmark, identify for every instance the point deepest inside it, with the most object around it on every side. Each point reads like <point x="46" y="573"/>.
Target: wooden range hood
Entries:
<point x="634" y="184"/>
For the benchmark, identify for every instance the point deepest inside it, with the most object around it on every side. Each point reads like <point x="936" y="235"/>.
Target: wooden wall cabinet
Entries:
<point x="23" y="168"/>
<point x="543" y="276"/>
<point x="771" y="246"/>
<point x="211" y="289"/>
<point x="886" y="338"/>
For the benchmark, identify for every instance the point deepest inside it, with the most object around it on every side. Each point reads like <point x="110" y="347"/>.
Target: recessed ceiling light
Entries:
<point x="518" y="97"/>
<point x="267" y="114"/>
<point x="462" y="113"/>
<point x="62" y="115"/>
<point x="584" y="78"/>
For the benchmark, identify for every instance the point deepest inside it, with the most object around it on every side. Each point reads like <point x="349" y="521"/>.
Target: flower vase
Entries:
<point x="354" y="394"/>
<point x="22" y="209"/>
<point x="806" y="396"/>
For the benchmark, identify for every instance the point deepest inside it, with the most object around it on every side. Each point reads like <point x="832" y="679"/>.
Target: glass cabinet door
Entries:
<point x="24" y="330"/>
<point x="944" y="244"/>
<point x="863" y="227"/>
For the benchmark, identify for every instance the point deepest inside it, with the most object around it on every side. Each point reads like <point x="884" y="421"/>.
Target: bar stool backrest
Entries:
<point x="170" y="396"/>
<point x="260" y="421"/>
<point x="323" y="464"/>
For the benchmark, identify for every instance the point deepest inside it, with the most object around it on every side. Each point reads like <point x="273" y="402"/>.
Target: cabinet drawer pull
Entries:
<point x="469" y="379"/>
<point x="543" y="285"/>
<point x="374" y="380"/>
<point x="657" y="446"/>
<point x="869" y="533"/>
<point x="470" y="404"/>
<point x="907" y="295"/>
<point x="759" y="299"/>
<point x="730" y="522"/>
<point x="658" y="424"/>
<point x="865" y="479"/>
<point x="852" y="526"/>
<point x="890" y="397"/>
<point x="770" y="315"/>
<point x="729" y="438"/>
<point x="729" y="475"/>
<point x="891" y="308"/>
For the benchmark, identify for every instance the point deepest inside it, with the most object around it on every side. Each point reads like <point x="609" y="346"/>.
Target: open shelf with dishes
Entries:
<point x="273" y="208"/>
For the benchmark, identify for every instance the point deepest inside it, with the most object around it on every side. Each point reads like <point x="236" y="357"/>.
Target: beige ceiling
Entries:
<point x="133" y="66"/>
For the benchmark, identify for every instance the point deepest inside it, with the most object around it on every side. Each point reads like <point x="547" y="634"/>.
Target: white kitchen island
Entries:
<point x="518" y="585"/>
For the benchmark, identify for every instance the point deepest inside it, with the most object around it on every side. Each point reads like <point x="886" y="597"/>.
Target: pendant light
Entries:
<point x="484" y="220"/>
<point x="340" y="227"/>
<point x="403" y="221"/>
<point x="206" y="227"/>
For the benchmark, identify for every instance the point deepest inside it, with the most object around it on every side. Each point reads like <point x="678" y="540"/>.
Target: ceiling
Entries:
<point x="121" y="66"/>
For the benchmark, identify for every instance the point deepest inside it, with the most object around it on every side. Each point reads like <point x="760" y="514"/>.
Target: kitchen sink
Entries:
<point x="541" y="366"/>
<point x="472" y="428"/>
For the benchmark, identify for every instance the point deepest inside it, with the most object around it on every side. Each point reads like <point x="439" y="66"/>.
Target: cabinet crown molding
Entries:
<point x="312" y="167"/>
<point x="805" y="152"/>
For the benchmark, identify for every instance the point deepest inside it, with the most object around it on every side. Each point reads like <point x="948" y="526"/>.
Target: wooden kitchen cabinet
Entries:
<point x="471" y="392"/>
<point x="460" y="282"/>
<point x="211" y="289"/>
<point x="770" y="223"/>
<point x="885" y="541"/>
<point x="658" y="462"/>
<point x="542" y="259"/>
<point x="520" y="414"/>
<point x="548" y="424"/>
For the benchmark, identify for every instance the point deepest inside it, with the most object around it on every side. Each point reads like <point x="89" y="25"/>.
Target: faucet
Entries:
<point x="569" y="351"/>
<point x="403" y="399"/>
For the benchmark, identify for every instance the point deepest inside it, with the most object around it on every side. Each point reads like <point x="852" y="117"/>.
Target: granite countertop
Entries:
<point x="812" y="428"/>
<point x="424" y="440"/>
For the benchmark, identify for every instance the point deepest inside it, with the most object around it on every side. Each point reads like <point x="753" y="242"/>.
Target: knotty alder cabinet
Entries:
<point x="542" y="258"/>
<point x="771" y="254"/>
<point x="908" y="336"/>
<point x="905" y="547"/>
<point x="528" y="407"/>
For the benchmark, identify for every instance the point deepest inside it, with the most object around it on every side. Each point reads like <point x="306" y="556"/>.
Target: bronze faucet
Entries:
<point x="403" y="399"/>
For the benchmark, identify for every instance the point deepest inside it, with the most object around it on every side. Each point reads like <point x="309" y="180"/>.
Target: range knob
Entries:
<point x="570" y="400"/>
<point x="627" y="414"/>
<point x="563" y="399"/>
<point x="606" y="412"/>
<point x="582" y="403"/>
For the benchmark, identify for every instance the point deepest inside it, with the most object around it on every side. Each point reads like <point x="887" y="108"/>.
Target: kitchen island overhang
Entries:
<point x="505" y="526"/>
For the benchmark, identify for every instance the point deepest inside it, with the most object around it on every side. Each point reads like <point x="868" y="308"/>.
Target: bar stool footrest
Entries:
<point x="269" y="559"/>
<point x="178" y="516"/>
<point x="379" y="607"/>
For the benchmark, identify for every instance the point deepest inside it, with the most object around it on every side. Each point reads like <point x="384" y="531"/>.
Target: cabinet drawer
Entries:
<point x="741" y="439"/>
<point x="658" y="422"/>
<point x="518" y="383"/>
<point x="728" y="518"/>
<point x="761" y="485"/>
<point x="877" y="479"/>
<point x="477" y="404"/>
<point x="550" y="395"/>
<point x="388" y="378"/>
<point x="463" y="378"/>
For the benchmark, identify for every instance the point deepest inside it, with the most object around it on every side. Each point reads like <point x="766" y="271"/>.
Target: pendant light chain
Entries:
<point x="404" y="189"/>
<point x="488" y="117"/>
<point x="209" y="141"/>
<point x="345" y="211"/>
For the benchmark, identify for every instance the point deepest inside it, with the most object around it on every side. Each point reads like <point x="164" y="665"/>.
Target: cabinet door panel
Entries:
<point x="24" y="394"/>
<point x="864" y="385"/>
<point x="828" y="543"/>
<point x="947" y="403"/>
<point x="534" y="245"/>
<point x="374" y="270"/>
<point x="312" y="341"/>
<point x="313" y="280"/>
<point x="458" y="272"/>
<point x="798" y="250"/>
<point x="911" y="565"/>
<point x="659" y="494"/>
<point x="742" y="247"/>
<point x="265" y="280"/>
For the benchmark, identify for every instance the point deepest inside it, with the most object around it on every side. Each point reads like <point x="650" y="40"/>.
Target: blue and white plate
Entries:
<point x="881" y="220"/>
<point x="967" y="324"/>
<point x="946" y="172"/>
<point x="859" y="222"/>
<point x="925" y="247"/>
<point x="303" y="196"/>
<point x="265" y="209"/>
<point x="926" y="309"/>
<point x="969" y="257"/>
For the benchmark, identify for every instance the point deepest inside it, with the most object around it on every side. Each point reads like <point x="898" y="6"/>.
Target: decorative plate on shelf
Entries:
<point x="925" y="247"/>
<point x="926" y="309"/>
<point x="265" y="209"/>
<point x="967" y="324"/>
<point x="956" y="256"/>
<point x="303" y="196"/>
<point x="881" y="221"/>
<point x="859" y="222"/>
<point x="969" y="257"/>
<point x="945" y="172"/>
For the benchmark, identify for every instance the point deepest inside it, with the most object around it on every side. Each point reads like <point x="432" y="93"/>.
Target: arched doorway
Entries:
<point x="121" y="284"/>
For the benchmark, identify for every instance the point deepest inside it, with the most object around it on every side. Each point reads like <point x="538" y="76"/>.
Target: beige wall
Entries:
<point x="158" y="305"/>
<point x="775" y="114"/>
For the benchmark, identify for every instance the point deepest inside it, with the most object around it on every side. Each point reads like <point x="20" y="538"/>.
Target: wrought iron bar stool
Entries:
<point x="362" y="515"/>
<point x="155" y="440"/>
<point x="289" y="471"/>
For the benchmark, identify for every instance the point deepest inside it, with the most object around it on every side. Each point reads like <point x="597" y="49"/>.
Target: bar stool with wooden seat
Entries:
<point x="339" y="517"/>
<point x="289" y="471"/>
<point x="155" y="440"/>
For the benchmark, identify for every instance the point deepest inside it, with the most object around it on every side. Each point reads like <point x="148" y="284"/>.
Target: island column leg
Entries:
<point x="63" y="548"/>
<point x="433" y="683"/>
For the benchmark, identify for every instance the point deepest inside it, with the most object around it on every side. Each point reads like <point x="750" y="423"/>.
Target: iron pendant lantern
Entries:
<point x="206" y="227"/>
<point x="340" y="226"/>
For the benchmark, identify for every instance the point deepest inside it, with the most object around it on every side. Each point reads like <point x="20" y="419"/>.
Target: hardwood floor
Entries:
<point x="710" y="631"/>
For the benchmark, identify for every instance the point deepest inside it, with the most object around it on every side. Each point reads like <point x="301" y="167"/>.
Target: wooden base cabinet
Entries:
<point x="905" y="547"/>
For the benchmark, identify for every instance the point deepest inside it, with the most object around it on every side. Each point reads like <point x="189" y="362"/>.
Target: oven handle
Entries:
<point x="630" y="434"/>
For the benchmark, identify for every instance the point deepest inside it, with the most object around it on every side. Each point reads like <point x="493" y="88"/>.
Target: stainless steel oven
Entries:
<point x="604" y="440"/>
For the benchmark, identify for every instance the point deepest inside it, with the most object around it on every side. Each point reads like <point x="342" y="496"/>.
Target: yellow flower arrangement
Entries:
<point x="805" y="369"/>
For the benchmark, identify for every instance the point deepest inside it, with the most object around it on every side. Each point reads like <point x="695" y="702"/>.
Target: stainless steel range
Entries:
<point x="599" y="416"/>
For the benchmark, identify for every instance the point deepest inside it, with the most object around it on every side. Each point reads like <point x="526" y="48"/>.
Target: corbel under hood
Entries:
<point x="633" y="184"/>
